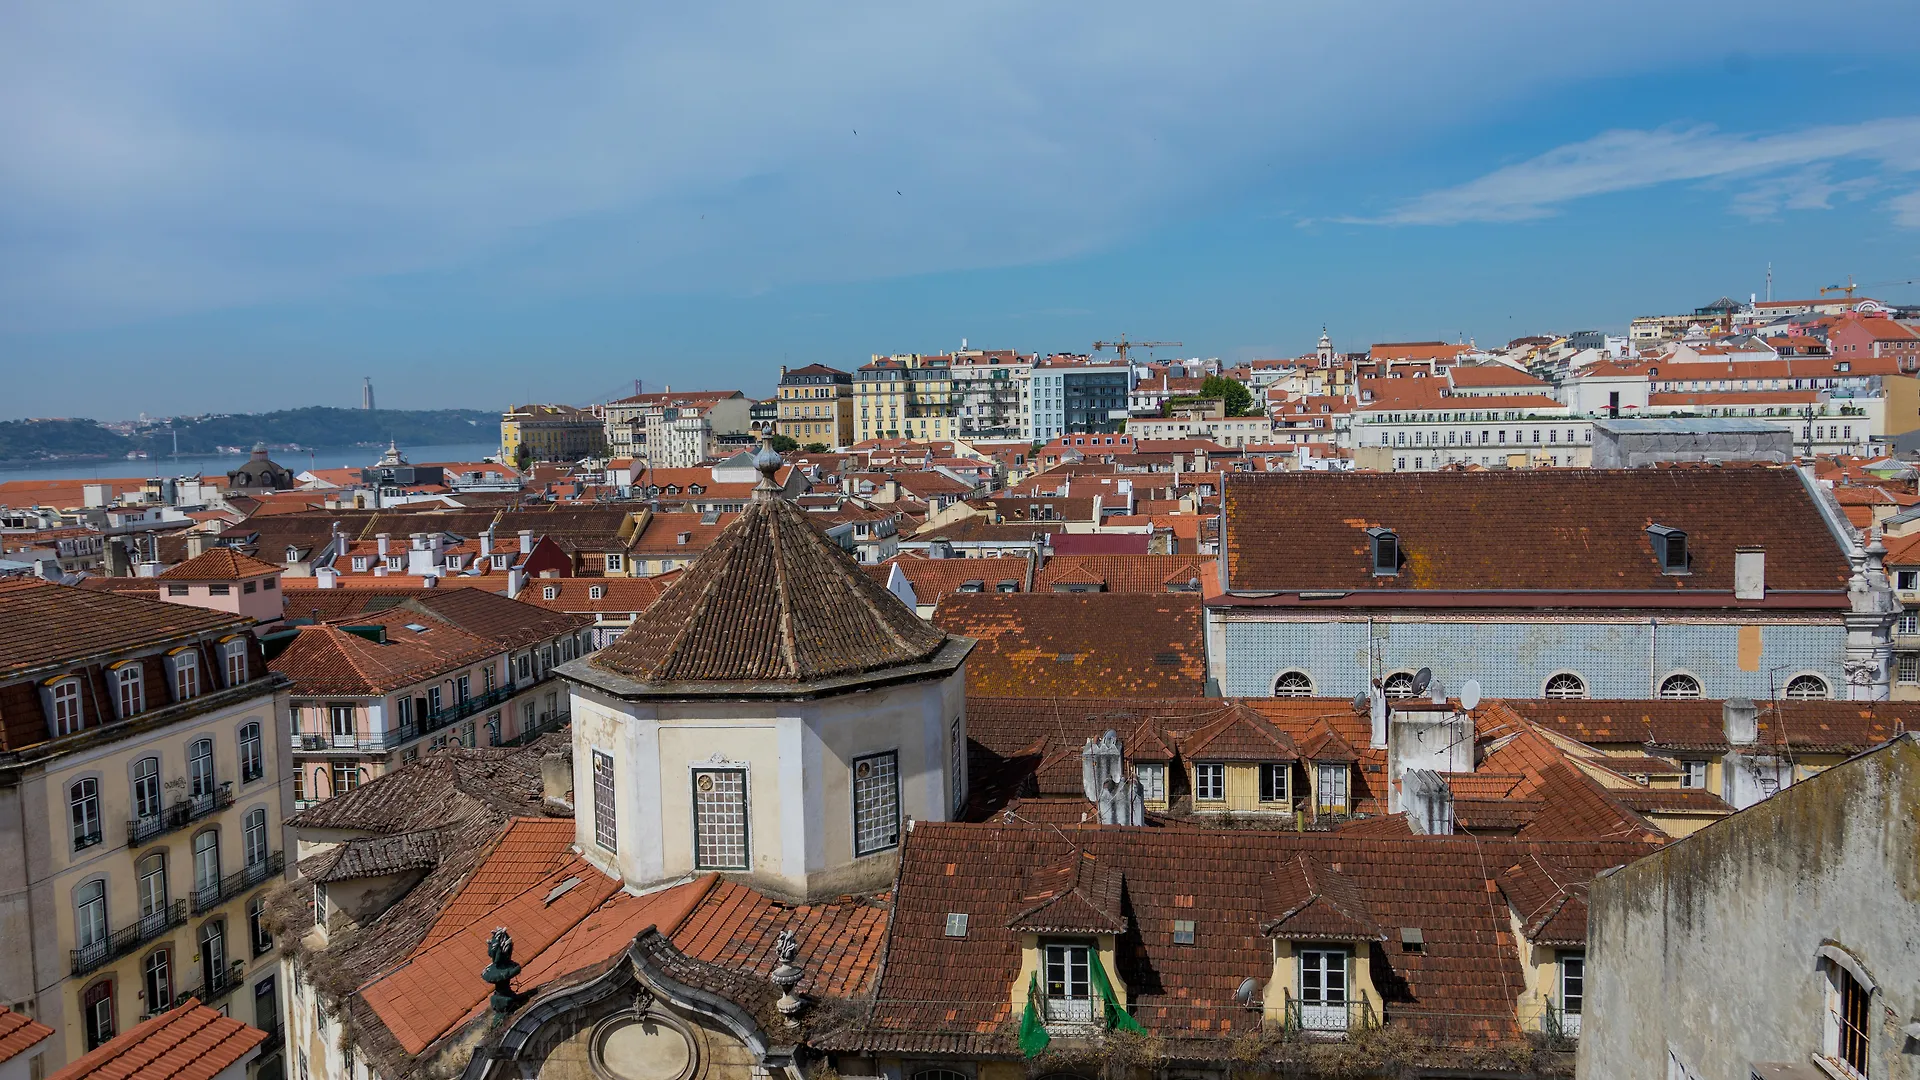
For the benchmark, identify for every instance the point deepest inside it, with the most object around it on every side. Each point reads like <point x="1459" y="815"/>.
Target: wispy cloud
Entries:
<point x="1790" y="170"/>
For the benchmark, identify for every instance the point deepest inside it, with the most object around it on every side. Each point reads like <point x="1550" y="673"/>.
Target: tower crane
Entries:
<point x="1849" y="287"/>
<point x="1123" y="345"/>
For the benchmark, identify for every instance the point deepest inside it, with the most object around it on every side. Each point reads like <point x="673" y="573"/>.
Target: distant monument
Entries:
<point x="366" y="393"/>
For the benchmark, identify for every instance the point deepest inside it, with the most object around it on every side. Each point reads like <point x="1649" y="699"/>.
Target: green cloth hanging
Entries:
<point x="1117" y="1018"/>
<point x="1033" y="1033"/>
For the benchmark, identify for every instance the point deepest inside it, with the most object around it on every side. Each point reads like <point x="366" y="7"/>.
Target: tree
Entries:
<point x="1239" y="398"/>
<point x="816" y="448"/>
<point x="522" y="457"/>
<point x="783" y="444"/>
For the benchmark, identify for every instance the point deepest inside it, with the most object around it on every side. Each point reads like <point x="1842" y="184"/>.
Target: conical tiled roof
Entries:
<point x="772" y="600"/>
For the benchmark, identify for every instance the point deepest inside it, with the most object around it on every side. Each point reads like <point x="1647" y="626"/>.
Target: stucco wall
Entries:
<point x="1708" y="949"/>
<point x="1513" y="656"/>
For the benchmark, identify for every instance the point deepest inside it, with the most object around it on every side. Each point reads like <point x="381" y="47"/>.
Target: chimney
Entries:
<point x="486" y="543"/>
<point x="324" y="577"/>
<point x="380" y="570"/>
<point x="1741" y="719"/>
<point x="196" y="544"/>
<point x="1749" y="573"/>
<point x="418" y="541"/>
<point x="430" y="581"/>
<point x="556" y="783"/>
<point x="381" y="539"/>
<point x="1377" y="716"/>
<point x="339" y="539"/>
<point x="1103" y="778"/>
<point x="516" y="581"/>
<point x="526" y="541"/>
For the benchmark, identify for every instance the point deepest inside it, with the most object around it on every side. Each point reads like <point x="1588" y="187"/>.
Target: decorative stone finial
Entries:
<point x="502" y="971"/>
<point x="786" y="948"/>
<point x="768" y="461"/>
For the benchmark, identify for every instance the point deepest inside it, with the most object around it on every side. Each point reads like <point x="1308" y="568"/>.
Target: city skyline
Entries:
<point x="548" y="209"/>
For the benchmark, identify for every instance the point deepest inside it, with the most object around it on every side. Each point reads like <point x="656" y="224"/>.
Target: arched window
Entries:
<point x="96" y="1013"/>
<point x="83" y="803"/>
<point x="1808" y="688"/>
<point x="1679" y="685"/>
<point x="153" y="888"/>
<point x="253" y="760"/>
<point x="206" y="864"/>
<point x="66" y="707"/>
<point x="90" y="916"/>
<point x="254" y="837"/>
<point x="157" y="972"/>
<point x="1398" y="685"/>
<point x="132" y="694"/>
<point x="146" y="787"/>
<point x="1566" y="685"/>
<point x="186" y="675"/>
<point x="200" y="780"/>
<point x="1293" y="684"/>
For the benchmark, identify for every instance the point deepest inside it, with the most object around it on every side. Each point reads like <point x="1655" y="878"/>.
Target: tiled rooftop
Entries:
<point x="220" y="564"/>
<point x="19" y="1033"/>
<point x="42" y="623"/>
<point x="1079" y="644"/>
<point x="188" y="1042"/>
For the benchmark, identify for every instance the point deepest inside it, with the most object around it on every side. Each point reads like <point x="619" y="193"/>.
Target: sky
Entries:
<point x="213" y="206"/>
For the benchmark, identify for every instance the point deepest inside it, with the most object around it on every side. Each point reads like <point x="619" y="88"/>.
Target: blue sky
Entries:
<point x="240" y="206"/>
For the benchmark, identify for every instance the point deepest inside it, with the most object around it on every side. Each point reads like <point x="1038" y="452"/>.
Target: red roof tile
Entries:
<point x="19" y="1033"/>
<point x="1079" y="644"/>
<point x="188" y="1042"/>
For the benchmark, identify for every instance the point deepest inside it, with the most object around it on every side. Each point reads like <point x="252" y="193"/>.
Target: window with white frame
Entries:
<point x="96" y="1009"/>
<point x="131" y="688"/>
<point x="1153" y="781"/>
<point x="1908" y="622"/>
<point x="1693" y="774"/>
<point x="253" y="837"/>
<point x="1906" y="580"/>
<point x="1907" y="668"/>
<point x="720" y="819"/>
<point x="1293" y="684"/>
<point x="1398" y="685"/>
<point x="83" y="808"/>
<point x="1330" y="784"/>
<point x="146" y="787"/>
<point x="550" y="592"/>
<point x="596" y="592"/>
<point x="876" y="802"/>
<point x="616" y="562"/>
<point x="253" y="759"/>
<point x="1680" y="685"/>
<point x="206" y="862"/>
<point x="200" y="777"/>
<point x="1069" y="982"/>
<point x="66" y="707"/>
<point x="235" y="652"/>
<point x="605" y="823"/>
<point x="1566" y="685"/>
<point x="1807" y="688"/>
<point x="1273" y="782"/>
<point x="1323" y="988"/>
<point x="1573" y="991"/>
<point x="1209" y="781"/>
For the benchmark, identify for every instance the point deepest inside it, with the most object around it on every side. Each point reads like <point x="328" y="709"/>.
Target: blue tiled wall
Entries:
<point x="1514" y="659"/>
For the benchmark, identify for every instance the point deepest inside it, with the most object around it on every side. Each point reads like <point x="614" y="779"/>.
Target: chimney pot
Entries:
<point x="1749" y="573"/>
<point x="526" y="541"/>
<point x="1741" y="719"/>
<point x="382" y="539"/>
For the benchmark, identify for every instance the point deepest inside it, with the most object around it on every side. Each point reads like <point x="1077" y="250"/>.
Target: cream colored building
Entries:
<point x="143" y="783"/>
<point x="905" y="397"/>
<point x="778" y="716"/>
<point x="816" y="405"/>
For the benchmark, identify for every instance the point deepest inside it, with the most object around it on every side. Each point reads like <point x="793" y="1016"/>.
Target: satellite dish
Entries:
<point x="1360" y="703"/>
<point x="1420" y="680"/>
<point x="1244" y="995"/>
<point x="1470" y="694"/>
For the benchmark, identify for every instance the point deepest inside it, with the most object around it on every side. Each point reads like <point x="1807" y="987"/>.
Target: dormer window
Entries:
<point x="500" y="562"/>
<point x="1386" y="551"/>
<point x="396" y="562"/>
<point x="359" y="564"/>
<point x="1669" y="549"/>
<point x="1069" y="983"/>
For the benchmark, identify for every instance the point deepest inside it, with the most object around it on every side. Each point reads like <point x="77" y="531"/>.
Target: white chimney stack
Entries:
<point x="382" y="539"/>
<point x="1749" y="573"/>
<point x="526" y="541"/>
<point x="324" y="577"/>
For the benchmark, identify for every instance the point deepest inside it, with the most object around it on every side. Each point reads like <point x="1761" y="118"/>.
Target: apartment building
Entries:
<point x="991" y="392"/>
<point x="676" y="430"/>
<point x="380" y="677"/>
<point x="816" y="405"/>
<point x="551" y="433"/>
<point x="905" y="397"/>
<point x="1417" y="425"/>
<point x="144" y="782"/>
<point x="1073" y="395"/>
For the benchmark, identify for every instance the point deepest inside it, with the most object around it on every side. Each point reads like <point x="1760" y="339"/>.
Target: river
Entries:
<point x="221" y="464"/>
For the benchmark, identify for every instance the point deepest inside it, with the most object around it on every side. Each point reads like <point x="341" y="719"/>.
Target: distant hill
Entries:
<point x="53" y="440"/>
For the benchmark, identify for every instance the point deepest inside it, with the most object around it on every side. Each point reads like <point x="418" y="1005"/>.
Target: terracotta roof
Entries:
<point x="1127" y="573"/>
<point x="1699" y="725"/>
<point x="1672" y="800"/>
<point x="1079" y="644"/>
<point x="1240" y="735"/>
<point x="324" y="659"/>
<point x="1314" y="901"/>
<point x="19" y="1033"/>
<point x="1550" y="896"/>
<point x="616" y="593"/>
<point x="450" y="786"/>
<point x="188" y="1042"/>
<point x="951" y="995"/>
<point x="772" y="600"/>
<point x="487" y="615"/>
<point x="933" y="579"/>
<point x="42" y="623"/>
<point x="378" y="856"/>
<point x="220" y="564"/>
<point x="1075" y="894"/>
<point x="1553" y="531"/>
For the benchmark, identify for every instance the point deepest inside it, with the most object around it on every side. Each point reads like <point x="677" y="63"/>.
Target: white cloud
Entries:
<point x="1790" y="170"/>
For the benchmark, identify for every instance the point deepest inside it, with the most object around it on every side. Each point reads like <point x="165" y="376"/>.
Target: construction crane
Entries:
<point x="1123" y="345"/>
<point x="1849" y="287"/>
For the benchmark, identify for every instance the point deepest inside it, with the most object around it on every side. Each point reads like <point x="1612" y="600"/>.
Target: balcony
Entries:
<point x="213" y="990"/>
<point x="121" y="942"/>
<point x="180" y="815"/>
<point x="460" y="710"/>
<point x="550" y="722"/>
<point x="378" y="744"/>
<point x="1559" y="1023"/>
<point x="231" y="886"/>
<point x="1328" y="1018"/>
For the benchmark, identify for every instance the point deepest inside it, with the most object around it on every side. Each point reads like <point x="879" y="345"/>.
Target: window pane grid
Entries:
<point x="720" y="819"/>
<point x="876" y="803"/>
<point x="604" y="822"/>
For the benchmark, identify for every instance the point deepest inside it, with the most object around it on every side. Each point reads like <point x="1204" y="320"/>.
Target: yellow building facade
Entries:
<point x="816" y="405"/>
<point x="905" y="397"/>
<point x="551" y="433"/>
